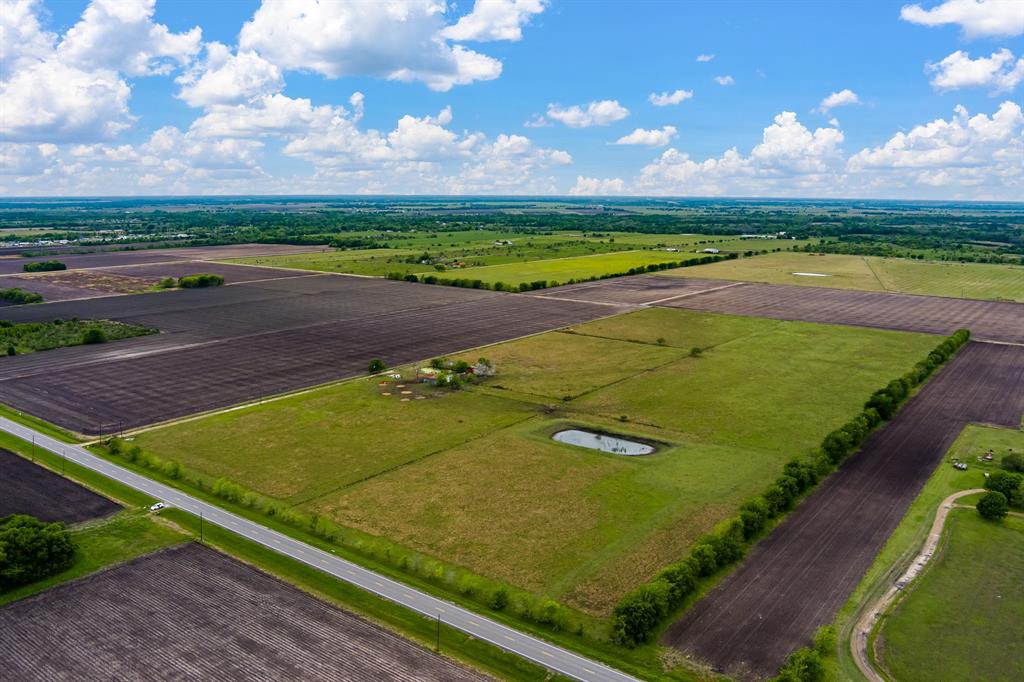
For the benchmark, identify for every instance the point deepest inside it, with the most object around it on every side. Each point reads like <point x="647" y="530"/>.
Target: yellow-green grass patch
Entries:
<point x="870" y="273"/>
<point x="303" y="446"/>
<point x="559" y="365"/>
<point x="562" y="269"/>
<point x="546" y="516"/>
<point x="779" y="390"/>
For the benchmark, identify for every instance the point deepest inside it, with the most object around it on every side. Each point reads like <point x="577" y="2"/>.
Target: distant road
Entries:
<point x="547" y="655"/>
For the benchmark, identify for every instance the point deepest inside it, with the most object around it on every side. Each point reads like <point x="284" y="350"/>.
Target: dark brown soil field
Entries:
<point x="104" y="259"/>
<point x="227" y="345"/>
<point x="190" y="613"/>
<point x="798" y="577"/>
<point x="987" y="320"/>
<point x="26" y="488"/>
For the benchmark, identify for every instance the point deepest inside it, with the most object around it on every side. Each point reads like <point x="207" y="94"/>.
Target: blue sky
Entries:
<point x="513" y="97"/>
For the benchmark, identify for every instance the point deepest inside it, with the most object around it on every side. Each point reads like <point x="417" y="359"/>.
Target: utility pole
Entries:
<point x="33" y="448"/>
<point x="200" y="527"/>
<point x="437" y="645"/>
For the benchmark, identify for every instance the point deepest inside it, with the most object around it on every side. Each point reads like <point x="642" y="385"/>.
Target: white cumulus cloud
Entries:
<point x="1000" y="72"/>
<point x="597" y="186"/>
<point x="665" y="99"/>
<point x="724" y="80"/>
<point x="977" y="18"/>
<point x="494" y="20"/>
<point x="843" y="98"/>
<point x="601" y="113"/>
<point x="225" y="77"/>
<point x="650" y="138"/>
<point x="401" y="41"/>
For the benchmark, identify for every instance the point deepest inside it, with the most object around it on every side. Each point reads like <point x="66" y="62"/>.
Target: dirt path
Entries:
<point x="862" y="631"/>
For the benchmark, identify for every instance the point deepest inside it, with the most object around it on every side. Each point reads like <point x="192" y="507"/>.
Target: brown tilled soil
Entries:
<point x="226" y="345"/>
<point x="190" y="613"/>
<point x="798" y="577"/>
<point x="26" y="488"/>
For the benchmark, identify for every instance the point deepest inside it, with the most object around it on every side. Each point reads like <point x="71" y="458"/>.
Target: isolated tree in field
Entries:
<point x="31" y="549"/>
<point x="1013" y="462"/>
<point x="376" y="365"/>
<point x="993" y="505"/>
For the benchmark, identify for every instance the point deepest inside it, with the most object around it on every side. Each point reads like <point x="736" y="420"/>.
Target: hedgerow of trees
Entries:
<point x="641" y="612"/>
<point x="44" y="266"/>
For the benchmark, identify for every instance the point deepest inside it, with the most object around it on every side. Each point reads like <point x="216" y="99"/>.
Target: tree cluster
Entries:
<point x="44" y="266"/>
<point x="31" y="550"/>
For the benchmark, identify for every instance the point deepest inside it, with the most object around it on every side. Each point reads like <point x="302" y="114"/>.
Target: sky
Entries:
<point x="868" y="99"/>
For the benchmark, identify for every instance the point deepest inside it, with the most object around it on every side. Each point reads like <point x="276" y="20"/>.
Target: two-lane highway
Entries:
<point x="548" y="655"/>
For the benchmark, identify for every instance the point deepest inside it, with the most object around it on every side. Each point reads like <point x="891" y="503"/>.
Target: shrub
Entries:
<point x="20" y="296"/>
<point x="498" y="600"/>
<point x="11" y="350"/>
<point x="804" y="665"/>
<point x="376" y="365"/>
<point x="44" y="266"/>
<point x="638" y="615"/>
<point x="94" y="335"/>
<point x="993" y="505"/>
<point x="754" y="515"/>
<point x="31" y="550"/>
<point x="704" y="559"/>
<point x="200" y="281"/>
<point x="166" y="283"/>
<point x="696" y="352"/>
<point x="1013" y="462"/>
<point x="1004" y="482"/>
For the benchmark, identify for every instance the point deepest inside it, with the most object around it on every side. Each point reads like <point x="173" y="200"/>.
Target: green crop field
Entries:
<point x="868" y="273"/>
<point x="472" y="477"/>
<point x="964" y="620"/>
<point x="563" y="269"/>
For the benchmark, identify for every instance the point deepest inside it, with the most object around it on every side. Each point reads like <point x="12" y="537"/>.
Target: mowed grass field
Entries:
<point x="473" y="478"/>
<point x="964" y="620"/>
<point x="869" y="273"/>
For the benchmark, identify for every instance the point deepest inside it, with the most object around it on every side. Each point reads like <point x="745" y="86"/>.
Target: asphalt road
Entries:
<point x="552" y="657"/>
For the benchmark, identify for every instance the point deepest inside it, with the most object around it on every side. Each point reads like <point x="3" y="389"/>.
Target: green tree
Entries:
<point x="31" y="550"/>
<point x="94" y="335"/>
<point x="1004" y="482"/>
<point x="993" y="505"/>
<point x="376" y="365"/>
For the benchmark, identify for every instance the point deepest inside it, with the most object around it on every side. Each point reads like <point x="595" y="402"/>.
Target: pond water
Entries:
<point x="597" y="441"/>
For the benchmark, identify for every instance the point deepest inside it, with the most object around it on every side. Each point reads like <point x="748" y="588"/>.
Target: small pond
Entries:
<point x="603" y="442"/>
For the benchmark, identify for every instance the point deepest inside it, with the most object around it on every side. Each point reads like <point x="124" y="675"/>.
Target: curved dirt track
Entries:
<point x="862" y="631"/>
<point x="798" y="577"/>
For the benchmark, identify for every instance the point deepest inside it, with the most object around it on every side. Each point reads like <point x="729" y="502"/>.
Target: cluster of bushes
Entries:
<point x="200" y="280"/>
<point x="26" y="337"/>
<point x="808" y="664"/>
<point x="641" y="612"/>
<point x="544" y="284"/>
<point x="44" y="266"/>
<point x="356" y="243"/>
<point x="1004" y="491"/>
<point x="489" y="593"/>
<point x="19" y="296"/>
<point x="31" y="550"/>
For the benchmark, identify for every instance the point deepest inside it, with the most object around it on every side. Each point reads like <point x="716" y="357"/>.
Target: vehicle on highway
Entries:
<point x="157" y="507"/>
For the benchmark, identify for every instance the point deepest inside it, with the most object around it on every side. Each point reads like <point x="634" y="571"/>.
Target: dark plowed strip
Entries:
<point x="26" y="488"/>
<point x="990" y="320"/>
<point x="798" y="577"/>
<point x="193" y="614"/>
<point x="232" y="344"/>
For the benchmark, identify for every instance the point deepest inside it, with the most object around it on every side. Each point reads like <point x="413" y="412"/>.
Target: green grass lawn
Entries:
<point x="869" y="273"/>
<point x="105" y="542"/>
<point x="964" y="618"/>
<point x="472" y="478"/>
<point x="906" y="540"/>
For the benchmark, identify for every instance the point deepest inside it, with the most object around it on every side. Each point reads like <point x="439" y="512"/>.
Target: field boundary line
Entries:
<point x="580" y="300"/>
<point x="872" y="617"/>
<point x="875" y="275"/>
<point x="228" y="261"/>
<point x="694" y="293"/>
